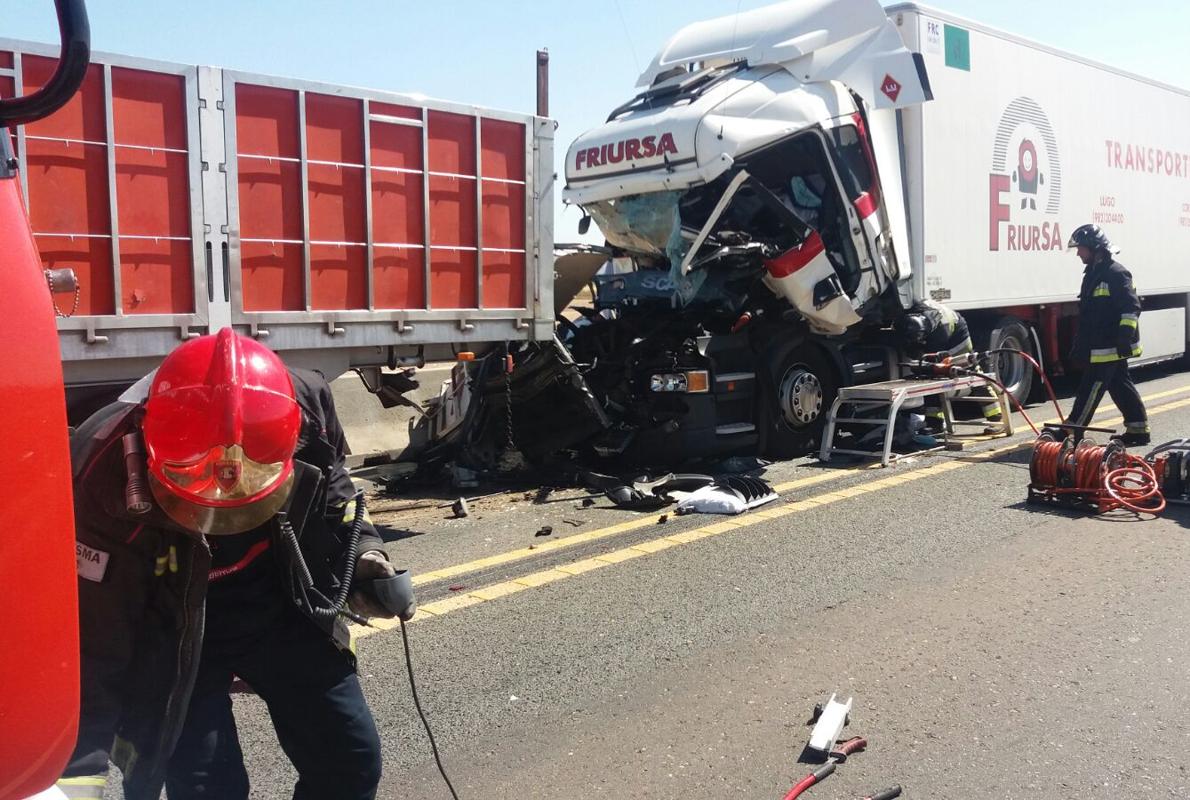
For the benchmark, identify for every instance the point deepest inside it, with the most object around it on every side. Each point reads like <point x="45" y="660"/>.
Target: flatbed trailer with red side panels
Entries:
<point x="344" y="227"/>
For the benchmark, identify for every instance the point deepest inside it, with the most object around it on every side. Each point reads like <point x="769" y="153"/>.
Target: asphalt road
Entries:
<point x="994" y="650"/>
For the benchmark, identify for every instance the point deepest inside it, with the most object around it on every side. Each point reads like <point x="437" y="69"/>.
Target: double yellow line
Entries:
<point x="495" y="591"/>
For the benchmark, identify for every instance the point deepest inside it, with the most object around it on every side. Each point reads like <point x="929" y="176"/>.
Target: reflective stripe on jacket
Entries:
<point x="948" y="330"/>
<point x="1109" y="314"/>
<point x="83" y="787"/>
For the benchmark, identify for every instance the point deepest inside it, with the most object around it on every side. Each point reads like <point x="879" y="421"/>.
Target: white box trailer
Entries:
<point x="1022" y="144"/>
<point x="850" y="160"/>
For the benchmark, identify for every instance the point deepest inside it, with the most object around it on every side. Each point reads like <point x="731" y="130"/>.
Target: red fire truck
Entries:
<point x="39" y="624"/>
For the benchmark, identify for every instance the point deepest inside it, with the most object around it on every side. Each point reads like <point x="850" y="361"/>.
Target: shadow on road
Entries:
<point x="390" y="534"/>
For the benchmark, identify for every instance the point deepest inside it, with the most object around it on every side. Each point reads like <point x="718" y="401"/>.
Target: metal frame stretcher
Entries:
<point x="893" y="395"/>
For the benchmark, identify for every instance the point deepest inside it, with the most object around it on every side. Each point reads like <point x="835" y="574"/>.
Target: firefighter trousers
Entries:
<point x="317" y="708"/>
<point x="1114" y="379"/>
<point x="936" y="418"/>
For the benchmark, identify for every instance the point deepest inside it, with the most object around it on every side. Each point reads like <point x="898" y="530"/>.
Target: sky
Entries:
<point x="481" y="52"/>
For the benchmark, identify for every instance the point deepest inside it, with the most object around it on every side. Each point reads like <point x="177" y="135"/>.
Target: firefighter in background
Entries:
<point x="930" y="327"/>
<point x="219" y="535"/>
<point x="1108" y="335"/>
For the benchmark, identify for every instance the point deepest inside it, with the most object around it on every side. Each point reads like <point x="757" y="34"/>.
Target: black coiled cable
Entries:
<point x="338" y="607"/>
<point x="339" y="604"/>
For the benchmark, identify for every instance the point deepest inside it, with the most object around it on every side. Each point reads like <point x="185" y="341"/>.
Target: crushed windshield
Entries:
<point x="790" y="188"/>
<point x="648" y="224"/>
<point x="663" y="225"/>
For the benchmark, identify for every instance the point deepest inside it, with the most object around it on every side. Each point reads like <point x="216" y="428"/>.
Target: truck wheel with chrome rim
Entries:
<point x="803" y="385"/>
<point x="1010" y="333"/>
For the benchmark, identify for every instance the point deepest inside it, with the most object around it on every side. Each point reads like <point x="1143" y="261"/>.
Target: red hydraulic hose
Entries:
<point x="819" y="775"/>
<point x="840" y="753"/>
<point x="1040" y="373"/>
<point x="1135" y="484"/>
<point x="1007" y="394"/>
<point x="1084" y="470"/>
<point x="1019" y="407"/>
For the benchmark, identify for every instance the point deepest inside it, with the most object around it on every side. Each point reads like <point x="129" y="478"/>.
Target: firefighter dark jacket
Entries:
<point x="947" y="331"/>
<point x="1109" y="314"/>
<point x="143" y="586"/>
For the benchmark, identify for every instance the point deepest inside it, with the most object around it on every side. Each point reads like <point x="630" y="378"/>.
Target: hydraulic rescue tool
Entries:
<point x="1066" y="467"/>
<point x="829" y="720"/>
<point x="975" y="364"/>
<point x="943" y="365"/>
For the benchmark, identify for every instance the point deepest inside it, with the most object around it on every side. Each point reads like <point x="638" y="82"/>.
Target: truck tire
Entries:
<point x="1015" y="373"/>
<point x="803" y="383"/>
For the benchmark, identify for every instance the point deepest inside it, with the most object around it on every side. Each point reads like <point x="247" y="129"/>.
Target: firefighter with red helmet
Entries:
<point x="219" y="536"/>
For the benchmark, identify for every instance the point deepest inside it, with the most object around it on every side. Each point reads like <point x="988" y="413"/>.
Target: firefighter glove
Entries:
<point x="1124" y="342"/>
<point x="370" y="566"/>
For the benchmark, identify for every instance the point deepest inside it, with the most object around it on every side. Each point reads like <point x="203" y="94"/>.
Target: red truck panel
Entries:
<point x="453" y="217"/>
<point x="278" y="234"/>
<point x="70" y="194"/>
<point x="398" y="216"/>
<point x="68" y="186"/>
<point x="503" y="169"/>
<point x="270" y="180"/>
<point x="39" y="660"/>
<point x="336" y="199"/>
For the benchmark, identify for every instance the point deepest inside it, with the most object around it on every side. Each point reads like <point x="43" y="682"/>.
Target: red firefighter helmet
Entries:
<point x="221" y="426"/>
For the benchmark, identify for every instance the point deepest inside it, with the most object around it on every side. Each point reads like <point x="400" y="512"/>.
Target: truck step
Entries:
<point x="734" y="428"/>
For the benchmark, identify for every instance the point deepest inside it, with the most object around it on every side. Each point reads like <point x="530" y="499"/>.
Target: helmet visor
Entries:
<point x="218" y="520"/>
<point x="222" y="476"/>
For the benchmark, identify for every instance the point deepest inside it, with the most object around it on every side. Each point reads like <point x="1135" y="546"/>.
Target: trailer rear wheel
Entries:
<point x="803" y="386"/>
<point x="1015" y="373"/>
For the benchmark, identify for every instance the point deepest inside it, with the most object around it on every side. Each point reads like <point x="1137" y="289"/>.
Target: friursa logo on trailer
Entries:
<point x="1025" y="186"/>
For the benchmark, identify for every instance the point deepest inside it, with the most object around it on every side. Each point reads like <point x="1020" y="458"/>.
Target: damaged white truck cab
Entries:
<point x="759" y="170"/>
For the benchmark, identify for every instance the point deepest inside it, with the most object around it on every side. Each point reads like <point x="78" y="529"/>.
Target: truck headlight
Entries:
<point x="693" y="382"/>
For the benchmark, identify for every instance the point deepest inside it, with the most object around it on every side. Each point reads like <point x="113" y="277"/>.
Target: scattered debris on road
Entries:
<point x="730" y="495"/>
<point x="829" y="721"/>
